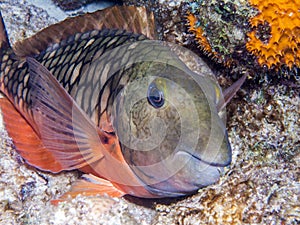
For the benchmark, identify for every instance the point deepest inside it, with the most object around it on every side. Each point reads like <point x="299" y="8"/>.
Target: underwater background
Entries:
<point x="262" y="185"/>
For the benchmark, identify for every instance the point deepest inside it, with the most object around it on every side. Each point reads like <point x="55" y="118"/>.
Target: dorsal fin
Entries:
<point x="4" y="42"/>
<point x="130" y="18"/>
<point x="230" y="92"/>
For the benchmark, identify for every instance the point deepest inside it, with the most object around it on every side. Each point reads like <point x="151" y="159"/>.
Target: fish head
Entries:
<point x="169" y="128"/>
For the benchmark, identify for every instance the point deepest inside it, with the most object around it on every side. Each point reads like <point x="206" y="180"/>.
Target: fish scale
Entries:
<point x="62" y="59"/>
<point x="80" y="54"/>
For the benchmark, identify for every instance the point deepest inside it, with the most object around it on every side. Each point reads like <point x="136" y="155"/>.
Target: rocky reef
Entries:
<point x="262" y="185"/>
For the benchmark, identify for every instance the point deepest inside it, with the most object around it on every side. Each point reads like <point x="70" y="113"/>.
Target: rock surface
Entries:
<point x="262" y="186"/>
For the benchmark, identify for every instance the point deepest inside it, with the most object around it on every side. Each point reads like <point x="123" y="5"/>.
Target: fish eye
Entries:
<point x="155" y="96"/>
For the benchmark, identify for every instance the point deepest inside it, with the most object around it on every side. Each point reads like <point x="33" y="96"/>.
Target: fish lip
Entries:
<point x="210" y="163"/>
<point x="192" y="185"/>
<point x="167" y="194"/>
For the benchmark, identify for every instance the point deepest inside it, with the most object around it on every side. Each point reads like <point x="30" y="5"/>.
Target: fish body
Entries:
<point x="127" y="111"/>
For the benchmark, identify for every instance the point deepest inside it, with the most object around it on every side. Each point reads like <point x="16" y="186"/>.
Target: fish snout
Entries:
<point x="217" y="153"/>
<point x="189" y="175"/>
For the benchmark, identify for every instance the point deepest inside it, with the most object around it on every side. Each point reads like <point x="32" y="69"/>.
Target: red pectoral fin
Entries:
<point x="64" y="129"/>
<point x="26" y="141"/>
<point x="90" y="185"/>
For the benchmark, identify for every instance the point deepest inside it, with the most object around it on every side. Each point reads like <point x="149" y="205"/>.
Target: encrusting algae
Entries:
<point x="282" y="46"/>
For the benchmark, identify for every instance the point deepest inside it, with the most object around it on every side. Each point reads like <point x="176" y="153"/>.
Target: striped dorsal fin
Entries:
<point x="130" y="18"/>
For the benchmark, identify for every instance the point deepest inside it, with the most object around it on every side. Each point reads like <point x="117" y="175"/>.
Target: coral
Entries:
<point x="249" y="34"/>
<point x="199" y="33"/>
<point x="275" y="39"/>
<point x="220" y="27"/>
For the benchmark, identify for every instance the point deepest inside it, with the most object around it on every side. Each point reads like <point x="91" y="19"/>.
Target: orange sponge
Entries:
<point x="283" y="44"/>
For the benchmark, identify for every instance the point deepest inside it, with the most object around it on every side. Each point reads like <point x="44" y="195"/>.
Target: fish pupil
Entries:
<point x="155" y="96"/>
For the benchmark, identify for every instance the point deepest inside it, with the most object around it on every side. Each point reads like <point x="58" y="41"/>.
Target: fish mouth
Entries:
<point x="194" y="175"/>
<point x="214" y="164"/>
<point x="218" y="166"/>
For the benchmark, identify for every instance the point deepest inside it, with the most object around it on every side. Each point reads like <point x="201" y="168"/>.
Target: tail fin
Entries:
<point x="4" y="42"/>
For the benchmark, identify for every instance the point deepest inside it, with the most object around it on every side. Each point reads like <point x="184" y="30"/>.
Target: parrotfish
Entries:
<point x="97" y="93"/>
